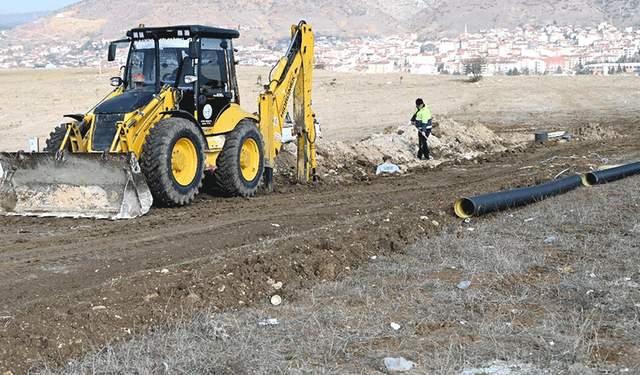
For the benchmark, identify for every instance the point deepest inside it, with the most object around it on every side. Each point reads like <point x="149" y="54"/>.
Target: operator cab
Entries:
<point x="197" y="60"/>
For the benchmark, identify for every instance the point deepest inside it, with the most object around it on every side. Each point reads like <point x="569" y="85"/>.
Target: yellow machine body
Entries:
<point x="161" y="130"/>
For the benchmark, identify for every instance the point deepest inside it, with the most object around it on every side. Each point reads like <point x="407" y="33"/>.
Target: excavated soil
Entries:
<point x="68" y="286"/>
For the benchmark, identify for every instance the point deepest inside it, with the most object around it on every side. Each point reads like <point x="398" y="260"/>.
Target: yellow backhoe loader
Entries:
<point x="173" y="117"/>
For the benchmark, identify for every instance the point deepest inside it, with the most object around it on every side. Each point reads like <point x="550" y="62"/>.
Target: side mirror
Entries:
<point x="224" y="44"/>
<point x="194" y="50"/>
<point x="115" y="81"/>
<point x="112" y="52"/>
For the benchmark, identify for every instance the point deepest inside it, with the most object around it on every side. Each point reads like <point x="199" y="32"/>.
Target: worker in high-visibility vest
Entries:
<point x="422" y="120"/>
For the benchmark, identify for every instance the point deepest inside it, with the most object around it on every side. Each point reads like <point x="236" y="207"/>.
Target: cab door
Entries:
<point x="214" y="88"/>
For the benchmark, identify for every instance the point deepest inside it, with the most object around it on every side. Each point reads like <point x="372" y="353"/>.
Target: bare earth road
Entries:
<point x="68" y="286"/>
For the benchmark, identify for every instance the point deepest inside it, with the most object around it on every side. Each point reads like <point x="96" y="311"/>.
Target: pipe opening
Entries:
<point x="464" y="208"/>
<point x="590" y="179"/>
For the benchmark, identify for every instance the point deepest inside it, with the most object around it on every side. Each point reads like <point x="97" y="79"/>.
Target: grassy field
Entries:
<point x="554" y="290"/>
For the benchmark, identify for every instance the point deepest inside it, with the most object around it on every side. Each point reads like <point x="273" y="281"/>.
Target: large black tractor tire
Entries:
<point x="57" y="136"/>
<point x="172" y="160"/>
<point x="55" y="140"/>
<point x="240" y="164"/>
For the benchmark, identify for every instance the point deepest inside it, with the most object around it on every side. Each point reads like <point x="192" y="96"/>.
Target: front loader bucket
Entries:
<point x="97" y="185"/>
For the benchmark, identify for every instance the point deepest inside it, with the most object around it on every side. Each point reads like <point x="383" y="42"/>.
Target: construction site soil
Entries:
<point x="69" y="286"/>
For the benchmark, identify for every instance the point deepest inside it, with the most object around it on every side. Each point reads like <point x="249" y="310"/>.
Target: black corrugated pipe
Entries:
<point x="482" y="204"/>
<point x="611" y="174"/>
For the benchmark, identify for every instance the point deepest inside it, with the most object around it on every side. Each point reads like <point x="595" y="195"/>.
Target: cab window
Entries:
<point x="213" y="68"/>
<point x="142" y="64"/>
<point x="173" y="53"/>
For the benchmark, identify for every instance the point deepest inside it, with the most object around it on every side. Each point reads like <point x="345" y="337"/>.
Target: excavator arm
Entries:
<point x="292" y="76"/>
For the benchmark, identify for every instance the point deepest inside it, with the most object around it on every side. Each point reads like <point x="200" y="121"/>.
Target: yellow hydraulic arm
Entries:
<point x="292" y="75"/>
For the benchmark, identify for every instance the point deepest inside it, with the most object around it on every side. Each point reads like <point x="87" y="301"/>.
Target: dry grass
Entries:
<point x="349" y="106"/>
<point x="554" y="290"/>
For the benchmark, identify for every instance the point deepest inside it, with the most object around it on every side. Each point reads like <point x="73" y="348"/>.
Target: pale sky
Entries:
<point x="25" y="6"/>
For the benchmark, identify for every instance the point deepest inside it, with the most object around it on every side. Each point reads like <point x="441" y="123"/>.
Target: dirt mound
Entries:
<point x="594" y="131"/>
<point x="449" y="140"/>
<point x="348" y="161"/>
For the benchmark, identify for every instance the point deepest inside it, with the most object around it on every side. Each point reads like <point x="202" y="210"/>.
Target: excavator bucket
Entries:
<point x="96" y="185"/>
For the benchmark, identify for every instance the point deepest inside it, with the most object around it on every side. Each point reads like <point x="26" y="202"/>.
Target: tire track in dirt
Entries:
<point x="54" y="259"/>
<point x="157" y="233"/>
<point x="216" y="237"/>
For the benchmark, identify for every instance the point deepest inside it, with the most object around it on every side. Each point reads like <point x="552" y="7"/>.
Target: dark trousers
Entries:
<point x="423" y="148"/>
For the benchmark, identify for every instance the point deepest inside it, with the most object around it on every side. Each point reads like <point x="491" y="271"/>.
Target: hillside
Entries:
<point x="96" y="20"/>
<point x="450" y="17"/>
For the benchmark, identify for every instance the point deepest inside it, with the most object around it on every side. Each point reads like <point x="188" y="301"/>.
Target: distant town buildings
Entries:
<point x="526" y="50"/>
